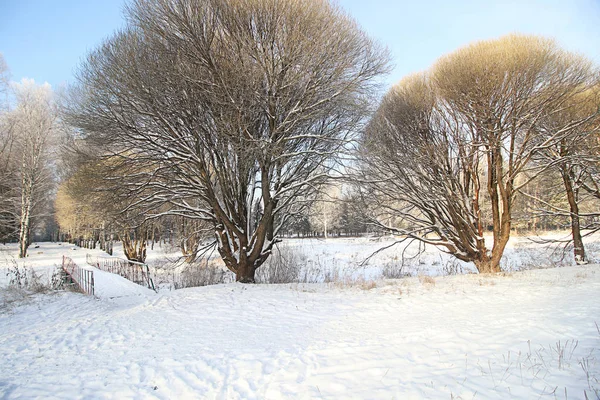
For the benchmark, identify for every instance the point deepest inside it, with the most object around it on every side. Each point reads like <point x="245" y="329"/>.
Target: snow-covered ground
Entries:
<point x="525" y="335"/>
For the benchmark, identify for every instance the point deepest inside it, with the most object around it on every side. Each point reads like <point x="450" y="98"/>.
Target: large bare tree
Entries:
<point x="451" y="145"/>
<point x="215" y="105"/>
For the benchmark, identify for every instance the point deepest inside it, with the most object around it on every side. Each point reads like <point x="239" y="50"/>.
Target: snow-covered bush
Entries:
<point x="201" y="274"/>
<point x="284" y="266"/>
<point x="290" y="265"/>
<point x="25" y="278"/>
<point x="453" y="267"/>
<point x="394" y="269"/>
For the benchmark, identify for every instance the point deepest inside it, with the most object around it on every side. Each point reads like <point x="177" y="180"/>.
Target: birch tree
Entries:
<point x="34" y="125"/>
<point x="213" y="105"/>
<point x="446" y="142"/>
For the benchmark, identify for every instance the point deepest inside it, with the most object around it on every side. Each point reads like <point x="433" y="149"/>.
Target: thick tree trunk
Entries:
<point x="497" y="252"/>
<point x="242" y="253"/>
<point x="501" y="206"/>
<point x="488" y="264"/>
<point x="483" y="258"/>
<point x="578" y="248"/>
<point x="245" y="273"/>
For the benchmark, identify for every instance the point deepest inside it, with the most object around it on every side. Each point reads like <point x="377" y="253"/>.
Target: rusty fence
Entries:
<point x="134" y="271"/>
<point x="83" y="278"/>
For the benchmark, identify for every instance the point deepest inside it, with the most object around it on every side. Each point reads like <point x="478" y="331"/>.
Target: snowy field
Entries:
<point x="526" y="334"/>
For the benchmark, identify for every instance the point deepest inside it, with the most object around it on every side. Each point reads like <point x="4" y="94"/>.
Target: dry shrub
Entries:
<point x="581" y="275"/>
<point x="349" y="283"/>
<point x="24" y="283"/>
<point x="453" y="267"/>
<point x="330" y="275"/>
<point x="368" y="285"/>
<point x="426" y="280"/>
<point x="394" y="270"/>
<point x="24" y="278"/>
<point x="201" y="274"/>
<point x="283" y="266"/>
<point x="287" y="265"/>
<point x="487" y="282"/>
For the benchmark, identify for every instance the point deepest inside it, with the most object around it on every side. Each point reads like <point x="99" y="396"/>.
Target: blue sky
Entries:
<point x="46" y="39"/>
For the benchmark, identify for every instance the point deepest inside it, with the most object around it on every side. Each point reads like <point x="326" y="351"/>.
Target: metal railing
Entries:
<point x="132" y="270"/>
<point x="83" y="278"/>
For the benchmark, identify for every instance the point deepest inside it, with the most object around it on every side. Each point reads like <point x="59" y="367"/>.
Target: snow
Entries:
<point x="521" y="335"/>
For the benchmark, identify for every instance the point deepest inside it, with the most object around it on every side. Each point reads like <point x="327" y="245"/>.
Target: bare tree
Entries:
<point x="86" y="209"/>
<point x="325" y="210"/>
<point x="72" y="218"/>
<point x="573" y="157"/>
<point x="590" y="179"/>
<point x="450" y="145"/>
<point x="192" y="235"/>
<point x="29" y="162"/>
<point x="213" y="105"/>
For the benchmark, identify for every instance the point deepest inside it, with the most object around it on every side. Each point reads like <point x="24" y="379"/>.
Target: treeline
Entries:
<point x="232" y="124"/>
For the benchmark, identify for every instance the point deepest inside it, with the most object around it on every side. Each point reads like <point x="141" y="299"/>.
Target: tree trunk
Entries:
<point x="501" y="206"/>
<point x="501" y="238"/>
<point x="245" y="273"/>
<point x="578" y="248"/>
<point x="487" y="264"/>
<point x="24" y="235"/>
<point x="497" y="251"/>
<point x="25" y="221"/>
<point x="153" y="236"/>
